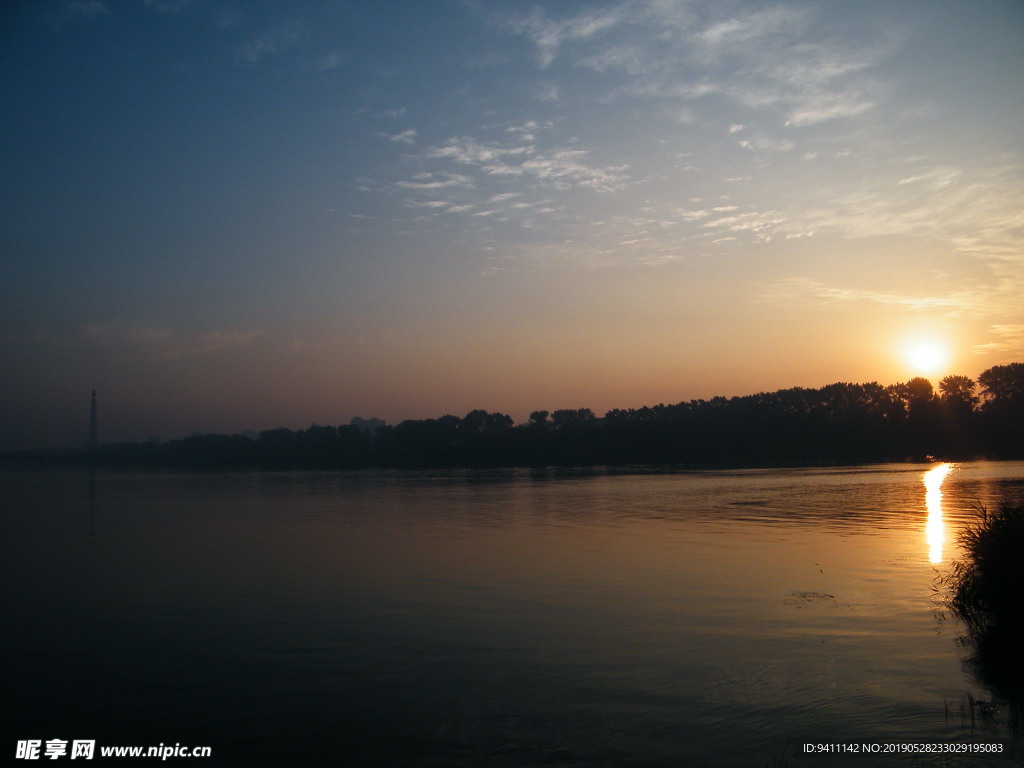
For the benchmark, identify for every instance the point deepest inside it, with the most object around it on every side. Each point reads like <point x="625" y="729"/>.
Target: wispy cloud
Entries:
<point x="760" y="58"/>
<point x="519" y="156"/>
<point x="512" y="178"/>
<point x="548" y="34"/>
<point x="765" y="144"/>
<point x="745" y="96"/>
<point x="217" y="341"/>
<point x="163" y="343"/>
<point x="228" y="20"/>
<point x="1006" y="340"/>
<point x="548" y="92"/>
<point x="490" y="157"/>
<point x="405" y="137"/>
<point x="122" y="335"/>
<point x="330" y="60"/>
<point x="751" y="26"/>
<point x="276" y="40"/>
<point x="763" y="225"/>
<point x="168" y="6"/>
<point x="564" y="167"/>
<point x="84" y="10"/>
<point x="794" y="291"/>
<point x="980" y="210"/>
<point x="432" y="181"/>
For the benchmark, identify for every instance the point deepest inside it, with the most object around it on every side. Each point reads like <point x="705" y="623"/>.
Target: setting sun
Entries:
<point x="928" y="357"/>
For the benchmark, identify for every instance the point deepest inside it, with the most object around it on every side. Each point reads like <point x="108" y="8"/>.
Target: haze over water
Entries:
<point x="506" y="617"/>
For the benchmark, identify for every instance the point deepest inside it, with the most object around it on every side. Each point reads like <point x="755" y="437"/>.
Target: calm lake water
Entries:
<point x="500" y="618"/>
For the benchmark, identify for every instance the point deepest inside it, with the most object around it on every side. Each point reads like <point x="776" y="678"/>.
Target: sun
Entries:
<point x="928" y="357"/>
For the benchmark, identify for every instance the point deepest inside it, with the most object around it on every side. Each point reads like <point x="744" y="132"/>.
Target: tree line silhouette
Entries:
<point x="841" y="422"/>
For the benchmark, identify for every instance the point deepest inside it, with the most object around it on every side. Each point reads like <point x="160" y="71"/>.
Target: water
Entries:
<point x="503" y="618"/>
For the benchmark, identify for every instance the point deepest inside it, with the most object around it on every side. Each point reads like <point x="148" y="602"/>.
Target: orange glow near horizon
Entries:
<point x="935" y="530"/>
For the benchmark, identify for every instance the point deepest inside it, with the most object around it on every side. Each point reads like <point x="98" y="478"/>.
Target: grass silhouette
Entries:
<point x="987" y="586"/>
<point x="986" y="591"/>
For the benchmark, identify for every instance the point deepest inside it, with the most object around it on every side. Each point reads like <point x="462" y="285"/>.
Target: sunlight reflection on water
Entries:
<point x="935" y="530"/>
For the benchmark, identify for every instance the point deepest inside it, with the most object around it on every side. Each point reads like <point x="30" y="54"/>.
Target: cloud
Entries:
<point x="762" y="225"/>
<point x="941" y="176"/>
<point x="566" y="166"/>
<point x="743" y="29"/>
<point x="626" y="57"/>
<point x="758" y="58"/>
<point x="271" y="42"/>
<point x="527" y="131"/>
<point x="134" y="336"/>
<point x="548" y="92"/>
<point x="1009" y="340"/>
<point x="824" y="107"/>
<point x="428" y="204"/>
<point x="168" y="6"/>
<point x="84" y="10"/>
<point x="559" y="167"/>
<point x="228" y="20"/>
<point x="765" y="144"/>
<point x="164" y="343"/>
<point x="216" y="341"/>
<point x="759" y="89"/>
<point x="793" y="291"/>
<point x="405" y="137"/>
<point x="979" y="210"/>
<point x="469" y="151"/>
<point x="330" y="60"/>
<point x="549" y="34"/>
<point x="431" y="181"/>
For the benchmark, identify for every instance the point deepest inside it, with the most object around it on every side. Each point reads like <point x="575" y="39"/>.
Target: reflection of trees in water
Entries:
<point x="985" y="591"/>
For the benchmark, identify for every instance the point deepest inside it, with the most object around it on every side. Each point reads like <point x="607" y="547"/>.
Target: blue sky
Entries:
<point x="228" y="216"/>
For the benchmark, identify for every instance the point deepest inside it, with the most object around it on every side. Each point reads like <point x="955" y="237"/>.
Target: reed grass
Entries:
<point x="987" y="585"/>
<point x="985" y="590"/>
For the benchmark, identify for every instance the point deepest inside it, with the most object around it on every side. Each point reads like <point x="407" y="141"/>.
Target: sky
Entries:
<point x="228" y="216"/>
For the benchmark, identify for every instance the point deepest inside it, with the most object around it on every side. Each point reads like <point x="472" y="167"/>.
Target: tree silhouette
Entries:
<point x="1003" y="383"/>
<point x="959" y="391"/>
<point x="838" y="422"/>
<point x="569" y="418"/>
<point x="1002" y="409"/>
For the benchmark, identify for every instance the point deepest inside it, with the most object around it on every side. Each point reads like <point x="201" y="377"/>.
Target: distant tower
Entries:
<point x="92" y="423"/>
